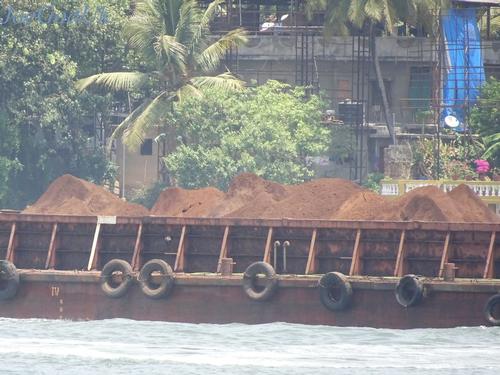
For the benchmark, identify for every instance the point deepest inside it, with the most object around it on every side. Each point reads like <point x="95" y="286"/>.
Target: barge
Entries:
<point x="224" y="270"/>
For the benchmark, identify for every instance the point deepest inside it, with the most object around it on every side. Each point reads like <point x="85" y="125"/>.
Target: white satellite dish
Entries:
<point x="284" y="17"/>
<point x="451" y="121"/>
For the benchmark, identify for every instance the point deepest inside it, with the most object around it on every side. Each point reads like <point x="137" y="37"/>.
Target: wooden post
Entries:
<point x="11" y="247"/>
<point x="94" y="252"/>
<point x="180" y="257"/>
<point x="311" y="259"/>
<point x="136" y="258"/>
<point x="223" y="247"/>
<point x="267" y="249"/>
<point x="399" y="268"/>
<point x="490" y="259"/>
<point x="51" y="255"/>
<point x="444" y="258"/>
<point x="356" y="255"/>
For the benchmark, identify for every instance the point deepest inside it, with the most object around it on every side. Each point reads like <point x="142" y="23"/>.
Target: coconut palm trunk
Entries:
<point x="381" y="86"/>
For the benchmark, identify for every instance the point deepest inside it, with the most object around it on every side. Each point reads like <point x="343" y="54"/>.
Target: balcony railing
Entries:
<point x="489" y="191"/>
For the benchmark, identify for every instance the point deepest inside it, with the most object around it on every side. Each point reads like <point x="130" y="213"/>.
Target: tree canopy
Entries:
<point x="46" y="127"/>
<point x="271" y="130"/>
<point x="485" y="119"/>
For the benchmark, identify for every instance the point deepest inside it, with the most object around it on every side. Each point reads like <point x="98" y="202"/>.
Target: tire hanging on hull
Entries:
<point x="109" y="285"/>
<point x="489" y="310"/>
<point x="409" y="290"/>
<point x="335" y="292"/>
<point x="9" y="280"/>
<point x="164" y="287"/>
<point x="252" y="290"/>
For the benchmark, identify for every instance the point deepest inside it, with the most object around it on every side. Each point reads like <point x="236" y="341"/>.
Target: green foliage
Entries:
<point x="373" y="181"/>
<point x="46" y="126"/>
<point x="343" y="143"/>
<point x="8" y="151"/>
<point x="270" y="130"/>
<point x="485" y="119"/>
<point x="179" y="56"/>
<point x="147" y="196"/>
<point x="455" y="161"/>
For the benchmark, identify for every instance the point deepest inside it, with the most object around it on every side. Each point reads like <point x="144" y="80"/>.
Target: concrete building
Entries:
<point x="339" y="68"/>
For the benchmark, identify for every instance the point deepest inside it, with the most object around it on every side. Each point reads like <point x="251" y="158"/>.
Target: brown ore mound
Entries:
<point x="250" y="196"/>
<point x="187" y="203"/>
<point x="472" y="207"/>
<point x="367" y="205"/>
<point x="428" y="203"/>
<point x="316" y="199"/>
<point x="69" y="195"/>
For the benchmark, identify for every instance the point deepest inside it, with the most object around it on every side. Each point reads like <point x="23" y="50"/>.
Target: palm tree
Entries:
<point x="180" y="55"/>
<point x="366" y="13"/>
<point x="388" y="12"/>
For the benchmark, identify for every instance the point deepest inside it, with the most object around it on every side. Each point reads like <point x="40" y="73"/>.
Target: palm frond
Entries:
<point x="491" y="151"/>
<point x="186" y="91"/>
<point x="210" y="58"/>
<point x="210" y="13"/>
<point x="389" y="15"/>
<point x="335" y="11"/>
<point x="356" y="12"/>
<point x="133" y="131"/>
<point x="492" y="138"/>
<point x="201" y="31"/>
<point x="170" y="13"/>
<point x="171" y="52"/>
<point x="115" y="81"/>
<point x="188" y="22"/>
<point x="373" y="10"/>
<point x="493" y="145"/>
<point x="313" y="6"/>
<point x="224" y="81"/>
<point x="129" y="120"/>
<point x="143" y="28"/>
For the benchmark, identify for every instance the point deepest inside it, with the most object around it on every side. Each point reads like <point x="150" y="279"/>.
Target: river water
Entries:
<point x="129" y="347"/>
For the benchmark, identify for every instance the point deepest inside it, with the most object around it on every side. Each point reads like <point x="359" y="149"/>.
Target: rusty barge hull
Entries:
<point x="214" y="299"/>
<point x="59" y="259"/>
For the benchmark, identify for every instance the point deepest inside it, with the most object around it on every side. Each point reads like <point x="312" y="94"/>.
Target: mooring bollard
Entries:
<point x="449" y="272"/>
<point x="226" y="266"/>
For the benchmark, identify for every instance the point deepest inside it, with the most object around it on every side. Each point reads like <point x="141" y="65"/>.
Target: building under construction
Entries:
<point x="424" y="75"/>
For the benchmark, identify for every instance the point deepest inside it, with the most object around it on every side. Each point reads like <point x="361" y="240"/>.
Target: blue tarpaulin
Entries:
<point x="464" y="63"/>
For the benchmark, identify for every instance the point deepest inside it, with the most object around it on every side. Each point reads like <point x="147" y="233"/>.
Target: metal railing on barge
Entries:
<point x="354" y="248"/>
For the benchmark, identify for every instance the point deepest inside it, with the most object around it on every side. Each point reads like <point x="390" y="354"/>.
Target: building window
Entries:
<point x="147" y="147"/>
<point x="420" y="89"/>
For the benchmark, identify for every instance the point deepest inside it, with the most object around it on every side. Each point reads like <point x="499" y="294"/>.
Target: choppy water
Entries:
<point x="129" y="347"/>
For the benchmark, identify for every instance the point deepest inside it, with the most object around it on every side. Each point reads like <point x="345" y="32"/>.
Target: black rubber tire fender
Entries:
<point x="250" y="277"/>
<point x="335" y="281"/>
<point x="9" y="278"/>
<point x="489" y="308"/>
<point x="116" y="265"/>
<point x="167" y="278"/>
<point x="409" y="290"/>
